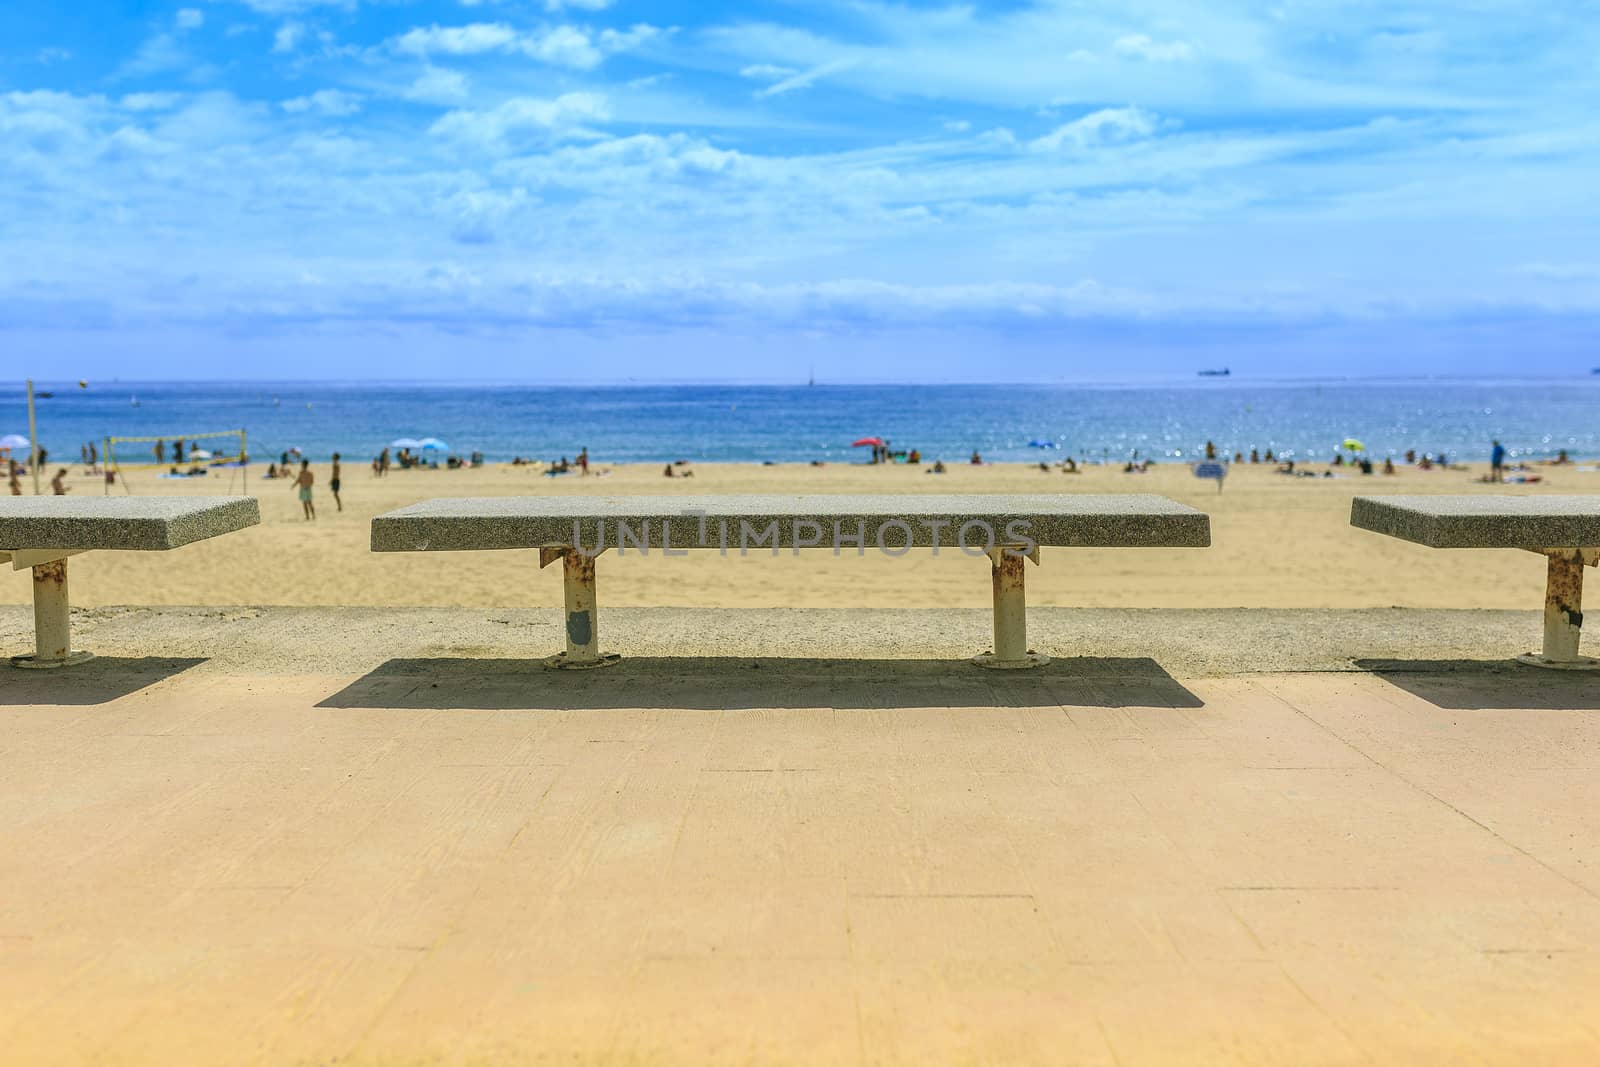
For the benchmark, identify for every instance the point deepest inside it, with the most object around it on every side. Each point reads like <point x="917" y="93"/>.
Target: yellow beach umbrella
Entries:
<point x="1352" y="445"/>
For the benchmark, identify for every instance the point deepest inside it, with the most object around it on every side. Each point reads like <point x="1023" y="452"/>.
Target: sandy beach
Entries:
<point x="1278" y="542"/>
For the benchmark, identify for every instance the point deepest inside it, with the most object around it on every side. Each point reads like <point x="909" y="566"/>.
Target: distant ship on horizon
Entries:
<point x="1225" y="372"/>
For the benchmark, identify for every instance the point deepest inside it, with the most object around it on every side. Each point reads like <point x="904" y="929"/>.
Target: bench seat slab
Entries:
<point x="921" y="521"/>
<point x="1483" y="521"/>
<point x="138" y="524"/>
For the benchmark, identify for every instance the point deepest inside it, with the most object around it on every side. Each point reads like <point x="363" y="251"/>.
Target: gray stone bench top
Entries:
<point x="137" y="523"/>
<point x="1069" y="520"/>
<point x="1483" y="521"/>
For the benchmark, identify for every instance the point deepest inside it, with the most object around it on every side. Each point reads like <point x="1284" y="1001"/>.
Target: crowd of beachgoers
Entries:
<point x="1350" y="457"/>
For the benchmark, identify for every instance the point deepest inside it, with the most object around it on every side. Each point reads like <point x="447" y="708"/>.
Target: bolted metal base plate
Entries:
<point x="34" y="663"/>
<point x="1033" y="659"/>
<point x="559" y="661"/>
<point x="1582" y="663"/>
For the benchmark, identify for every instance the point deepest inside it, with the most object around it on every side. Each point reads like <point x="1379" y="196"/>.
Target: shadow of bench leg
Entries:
<point x="52" y="620"/>
<point x="1563" y="614"/>
<point x="1011" y="651"/>
<point x="581" y="618"/>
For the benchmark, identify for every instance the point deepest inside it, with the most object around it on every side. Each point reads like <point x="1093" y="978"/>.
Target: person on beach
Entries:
<point x="1497" y="462"/>
<point x="161" y="451"/>
<point x="583" y="461"/>
<point x="333" y="483"/>
<point x="16" y="478"/>
<point x="58" y="484"/>
<point x="303" y="484"/>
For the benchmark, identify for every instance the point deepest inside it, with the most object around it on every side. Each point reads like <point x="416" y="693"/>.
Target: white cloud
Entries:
<point x="807" y="78"/>
<point x="457" y="40"/>
<point x="1106" y="126"/>
<point x="519" y="117"/>
<point x="333" y="103"/>
<point x="293" y="7"/>
<point x="437" y="85"/>
<point x="562" y="45"/>
<point x="1139" y="46"/>
<point x="47" y="56"/>
<point x="288" y="37"/>
<point x="577" y="5"/>
<point x="628" y="39"/>
<point x="1560" y="272"/>
<point x="189" y="18"/>
<point x="149" y="101"/>
<point x="765" y="70"/>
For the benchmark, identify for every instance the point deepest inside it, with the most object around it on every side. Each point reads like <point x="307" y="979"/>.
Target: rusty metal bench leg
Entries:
<point x="1563" y="611"/>
<point x="581" y="617"/>
<point x="1011" y="651"/>
<point x="52" y="615"/>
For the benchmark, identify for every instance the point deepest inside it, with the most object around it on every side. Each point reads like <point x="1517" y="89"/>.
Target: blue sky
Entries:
<point x="613" y="189"/>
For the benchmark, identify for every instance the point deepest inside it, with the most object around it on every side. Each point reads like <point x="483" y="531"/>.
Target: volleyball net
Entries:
<point x="180" y="453"/>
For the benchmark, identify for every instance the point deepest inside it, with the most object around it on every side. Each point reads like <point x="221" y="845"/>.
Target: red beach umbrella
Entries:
<point x="866" y="441"/>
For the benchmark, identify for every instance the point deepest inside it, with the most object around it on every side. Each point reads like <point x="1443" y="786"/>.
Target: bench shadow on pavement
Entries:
<point x="731" y="683"/>
<point x="1487" y="685"/>
<point x="99" y="681"/>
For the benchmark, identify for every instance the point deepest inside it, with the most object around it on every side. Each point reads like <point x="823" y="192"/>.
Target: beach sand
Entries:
<point x="1278" y="542"/>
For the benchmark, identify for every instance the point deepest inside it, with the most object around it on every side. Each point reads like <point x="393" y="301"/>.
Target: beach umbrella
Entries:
<point x="13" y="440"/>
<point x="866" y="441"/>
<point x="1353" y="445"/>
<point x="405" y="442"/>
<point x="433" y="442"/>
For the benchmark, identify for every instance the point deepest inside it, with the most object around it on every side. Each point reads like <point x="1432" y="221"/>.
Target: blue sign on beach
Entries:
<point x="1212" y="469"/>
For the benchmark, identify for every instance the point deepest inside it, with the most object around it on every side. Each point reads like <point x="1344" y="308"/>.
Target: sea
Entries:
<point x="1164" y="421"/>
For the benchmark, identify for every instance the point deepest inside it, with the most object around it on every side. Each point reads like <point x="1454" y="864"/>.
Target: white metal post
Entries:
<point x="581" y="618"/>
<point x="52" y="619"/>
<point x="1011" y="649"/>
<point x="1563" y="613"/>
<point x="33" y="440"/>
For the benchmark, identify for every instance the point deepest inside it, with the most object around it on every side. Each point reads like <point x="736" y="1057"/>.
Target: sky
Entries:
<point x="611" y="190"/>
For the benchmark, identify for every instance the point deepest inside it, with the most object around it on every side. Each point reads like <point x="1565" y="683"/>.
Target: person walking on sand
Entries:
<point x="16" y="478"/>
<point x="333" y="483"/>
<point x="1497" y="462"/>
<point x="58" y="484"/>
<point x="302" y="485"/>
<point x="583" y="461"/>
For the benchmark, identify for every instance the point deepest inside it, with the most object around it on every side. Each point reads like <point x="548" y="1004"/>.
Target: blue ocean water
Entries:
<point x="659" y="423"/>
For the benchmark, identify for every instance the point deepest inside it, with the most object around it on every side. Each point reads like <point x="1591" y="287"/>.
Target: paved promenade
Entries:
<point x="278" y="836"/>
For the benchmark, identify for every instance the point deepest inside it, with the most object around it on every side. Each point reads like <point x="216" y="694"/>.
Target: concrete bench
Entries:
<point x="1566" y="529"/>
<point x="41" y="532"/>
<point x="1007" y="529"/>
